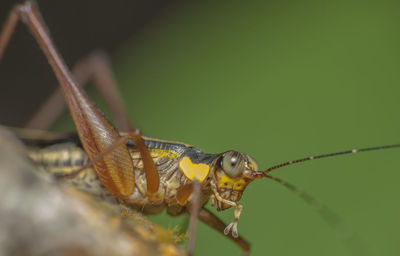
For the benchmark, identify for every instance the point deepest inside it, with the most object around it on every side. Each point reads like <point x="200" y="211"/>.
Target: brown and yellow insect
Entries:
<point x="148" y="174"/>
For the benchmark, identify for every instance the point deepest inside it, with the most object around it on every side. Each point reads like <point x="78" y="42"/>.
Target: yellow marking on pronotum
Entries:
<point x="193" y="170"/>
<point x="229" y="183"/>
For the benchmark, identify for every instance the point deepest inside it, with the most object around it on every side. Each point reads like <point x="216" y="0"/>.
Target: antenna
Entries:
<point x="352" y="151"/>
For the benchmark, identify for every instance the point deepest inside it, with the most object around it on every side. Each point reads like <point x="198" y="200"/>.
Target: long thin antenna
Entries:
<point x="327" y="214"/>
<point x="350" y="238"/>
<point x="352" y="151"/>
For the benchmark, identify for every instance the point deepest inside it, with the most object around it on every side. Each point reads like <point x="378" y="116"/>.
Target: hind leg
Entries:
<point x="95" y="67"/>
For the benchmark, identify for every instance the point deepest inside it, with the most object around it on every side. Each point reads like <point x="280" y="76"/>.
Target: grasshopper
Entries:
<point x="148" y="174"/>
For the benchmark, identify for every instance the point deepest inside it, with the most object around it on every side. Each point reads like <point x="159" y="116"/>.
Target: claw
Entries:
<point x="235" y="232"/>
<point x="232" y="226"/>
<point x="228" y="228"/>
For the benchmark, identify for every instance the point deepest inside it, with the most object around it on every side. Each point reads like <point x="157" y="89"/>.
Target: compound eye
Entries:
<point x="233" y="163"/>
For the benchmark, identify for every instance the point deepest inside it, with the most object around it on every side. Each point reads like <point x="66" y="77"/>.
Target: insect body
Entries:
<point x="223" y="176"/>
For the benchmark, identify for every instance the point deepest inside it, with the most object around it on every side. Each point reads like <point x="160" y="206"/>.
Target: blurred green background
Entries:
<point x="279" y="80"/>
